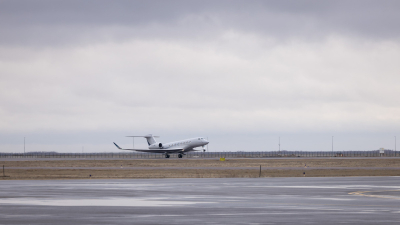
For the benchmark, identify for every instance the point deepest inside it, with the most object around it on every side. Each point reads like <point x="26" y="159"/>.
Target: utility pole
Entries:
<point x="394" y="145"/>
<point x="279" y="144"/>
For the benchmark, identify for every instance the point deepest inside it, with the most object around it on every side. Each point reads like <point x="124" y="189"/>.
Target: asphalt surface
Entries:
<point x="304" y="200"/>
<point x="209" y="168"/>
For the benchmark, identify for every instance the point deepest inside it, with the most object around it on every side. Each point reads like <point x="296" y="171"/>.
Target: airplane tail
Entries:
<point x="150" y="139"/>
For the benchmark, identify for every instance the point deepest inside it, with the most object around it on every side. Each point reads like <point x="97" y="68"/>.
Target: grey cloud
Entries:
<point x="234" y="70"/>
<point x="66" y="22"/>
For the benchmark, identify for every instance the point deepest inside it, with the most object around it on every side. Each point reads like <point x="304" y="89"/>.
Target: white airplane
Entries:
<point x="176" y="147"/>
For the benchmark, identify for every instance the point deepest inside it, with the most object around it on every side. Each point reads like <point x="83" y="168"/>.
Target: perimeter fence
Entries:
<point x="265" y="154"/>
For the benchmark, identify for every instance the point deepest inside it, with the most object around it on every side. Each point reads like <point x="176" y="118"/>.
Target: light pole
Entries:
<point x="394" y="145"/>
<point x="24" y="145"/>
<point x="332" y="144"/>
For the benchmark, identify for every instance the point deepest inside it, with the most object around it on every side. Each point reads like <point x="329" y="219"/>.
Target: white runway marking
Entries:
<point x="96" y="202"/>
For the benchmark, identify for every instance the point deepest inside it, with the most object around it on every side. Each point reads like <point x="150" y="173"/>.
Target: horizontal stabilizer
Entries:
<point x="149" y="135"/>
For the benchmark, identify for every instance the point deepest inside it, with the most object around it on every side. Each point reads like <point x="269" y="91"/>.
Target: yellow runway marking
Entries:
<point x="365" y="193"/>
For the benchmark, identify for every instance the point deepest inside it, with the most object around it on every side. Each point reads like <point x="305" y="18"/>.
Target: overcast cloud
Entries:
<point x="243" y="73"/>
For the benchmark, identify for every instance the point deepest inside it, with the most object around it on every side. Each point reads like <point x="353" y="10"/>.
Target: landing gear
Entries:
<point x="180" y="156"/>
<point x="166" y="156"/>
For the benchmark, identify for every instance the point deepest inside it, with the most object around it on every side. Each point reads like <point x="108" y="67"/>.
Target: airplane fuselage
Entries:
<point x="184" y="144"/>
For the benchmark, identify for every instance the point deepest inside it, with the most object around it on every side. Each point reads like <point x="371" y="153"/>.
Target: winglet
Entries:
<point x="117" y="146"/>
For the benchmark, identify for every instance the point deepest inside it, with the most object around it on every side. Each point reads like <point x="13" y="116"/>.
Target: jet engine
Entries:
<point x="160" y="145"/>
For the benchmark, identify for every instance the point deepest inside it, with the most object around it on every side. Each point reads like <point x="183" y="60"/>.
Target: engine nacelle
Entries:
<point x="160" y="145"/>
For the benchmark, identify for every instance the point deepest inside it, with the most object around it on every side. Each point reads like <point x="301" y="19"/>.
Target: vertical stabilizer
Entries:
<point x="150" y="139"/>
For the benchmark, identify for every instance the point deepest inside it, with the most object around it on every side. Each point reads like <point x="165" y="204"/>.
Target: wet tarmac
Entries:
<point x="206" y="168"/>
<point x="304" y="200"/>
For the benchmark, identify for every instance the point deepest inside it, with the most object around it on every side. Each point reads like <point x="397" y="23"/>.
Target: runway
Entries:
<point x="302" y="200"/>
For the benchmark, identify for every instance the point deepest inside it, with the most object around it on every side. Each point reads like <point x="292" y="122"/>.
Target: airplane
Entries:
<point x="176" y="147"/>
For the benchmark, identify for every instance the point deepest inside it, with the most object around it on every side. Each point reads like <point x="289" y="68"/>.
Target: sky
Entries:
<point x="78" y="75"/>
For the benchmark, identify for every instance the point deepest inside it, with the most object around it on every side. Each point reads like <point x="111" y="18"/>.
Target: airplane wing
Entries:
<point x="170" y="150"/>
<point x="175" y="150"/>
<point x="190" y="150"/>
